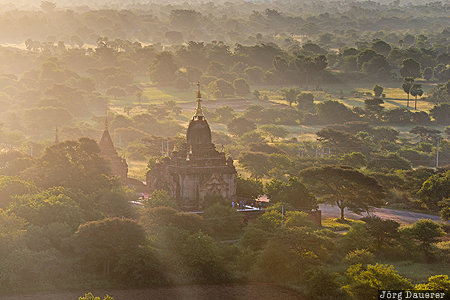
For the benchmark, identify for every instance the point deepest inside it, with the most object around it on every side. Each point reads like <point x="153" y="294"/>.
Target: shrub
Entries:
<point x="360" y="256"/>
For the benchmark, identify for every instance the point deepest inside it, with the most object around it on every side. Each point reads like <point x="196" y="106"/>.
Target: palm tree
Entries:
<point x="416" y="90"/>
<point x="407" y="85"/>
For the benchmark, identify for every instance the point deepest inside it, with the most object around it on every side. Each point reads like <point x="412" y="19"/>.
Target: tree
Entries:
<point x="221" y="88"/>
<point x="305" y="101"/>
<point x="116" y="92"/>
<point x="322" y="284"/>
<point x="378" y="90"/>
<point x="387" y="162"/>
<point x="364" y="283"/>
<point x="224" y="114"/>
<point x="102" y="243"/>
<point x="441" y="112"/>
<point x="273" y="131"/>
<point x="290" y="95"/>
<point x="50" y="206"/>
<point x="330" y="112"/>
<point x="73" y="164"/>
<point x="222" y="220"/>
<point x="345" y="187"/>
<point x="241" y="87"/>
<point x="354" y="159"/>
<point x="381" y="47"/>
<point x="407" y="85"/>
<point x="11" y="187"/>
<point x="435" y="189"/>
<point x="254" y="162"/>
<point x="339" y="140"/>
<point x="410" y="68"/>
<point x="382" y="231"/>
<point x="241" y="125"/>
<point x="426" y="134"/>
<point x="426" y="232"/>
<point x="248" y="188"/>
<point x="163" y="68"/>
<point x="374" y="106"/>
<point x="160" y="198"/>
<point x="292" y="192"/>
<point x="428" y="73"/>
<point x="416" y="90"/>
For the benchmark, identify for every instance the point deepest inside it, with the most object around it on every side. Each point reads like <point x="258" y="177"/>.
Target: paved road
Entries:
<point x="401" y="216"/>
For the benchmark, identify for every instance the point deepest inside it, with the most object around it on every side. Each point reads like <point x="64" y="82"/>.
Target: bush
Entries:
<point x="323" y="285"/>
<point x="360" y="256"/>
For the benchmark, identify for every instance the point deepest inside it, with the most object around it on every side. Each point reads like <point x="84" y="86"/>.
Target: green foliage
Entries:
<point x="254" y="238"/>
<point x="50" y="206"/>
<point x="239" y="126"/>
<point x="330" y="112"/>
<point x="435" y="189"/>
<point x="354" y="159"/>
<point x="435" y="283"/>
<point x="364" y="283"/>
<point x="273" y="131"/>
<point x="292" y="192"/>
<point x="13" y="186"/>
<point x="90" y="296"/>
<point x="382" y="231"/>
<point x="359" y="256"/>
<point x="163" y="68"/>
<point x="160" y="198"/>
<point x="248" y="188"/>
<point x="337" y="185"/>
<point x="290" y="95"/>
<point x="101" y="244"/>
<point x="357" y="238"/>
<point x="323" y="285"/>
<point x="426" y="232"/>
<point x="305" y="101"/>
<point x="254" y="162"/>
<point x="156" y="219"/>
<point x="141" y="267"/>
<point x="387" y="162"/>
<point x="222" y="220"/>
<point x="378" y="90"/>
<point x="291" y="252"/>
<point x="72" y="164"/>
<point x="192" y="257"/>
<point x="221" y="88"/>
<point x="241" y="87"/>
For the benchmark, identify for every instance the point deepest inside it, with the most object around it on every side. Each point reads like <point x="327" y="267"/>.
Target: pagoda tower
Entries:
<point x="196" y="170"/>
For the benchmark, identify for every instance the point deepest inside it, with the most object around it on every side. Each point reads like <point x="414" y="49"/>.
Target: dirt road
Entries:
<point x="401" y="216"/>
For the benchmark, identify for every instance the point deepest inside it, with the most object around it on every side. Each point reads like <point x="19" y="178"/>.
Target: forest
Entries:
<point x="342" y="104"/>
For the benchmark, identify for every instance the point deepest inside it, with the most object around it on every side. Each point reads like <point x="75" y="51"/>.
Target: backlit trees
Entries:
<point x="345" y="187"/>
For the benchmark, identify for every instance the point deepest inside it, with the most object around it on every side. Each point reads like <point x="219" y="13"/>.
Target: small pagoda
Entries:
<point x="118" y="165"/>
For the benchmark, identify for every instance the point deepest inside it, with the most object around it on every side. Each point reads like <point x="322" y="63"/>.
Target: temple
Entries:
<point x="197" y="170"/>
<point x="118" y="165"/>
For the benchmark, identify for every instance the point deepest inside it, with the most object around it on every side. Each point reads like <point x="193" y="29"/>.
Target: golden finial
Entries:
<point x="198" y="111"/>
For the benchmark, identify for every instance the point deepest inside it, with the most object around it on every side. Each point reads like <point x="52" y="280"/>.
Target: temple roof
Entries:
<point x="198" y="131"/>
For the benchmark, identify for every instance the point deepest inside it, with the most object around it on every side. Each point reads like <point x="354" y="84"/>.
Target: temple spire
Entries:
<point x="198" y="111"/>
